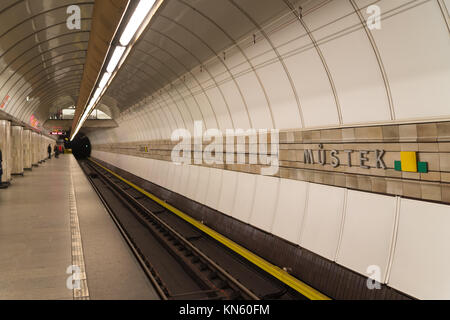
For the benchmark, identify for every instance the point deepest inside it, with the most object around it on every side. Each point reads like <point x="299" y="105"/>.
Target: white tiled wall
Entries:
<point x="421" y="261"/>
<point x="290" y="210"/>
<point x="322" y="222"/>
<point x="367" y="232"/>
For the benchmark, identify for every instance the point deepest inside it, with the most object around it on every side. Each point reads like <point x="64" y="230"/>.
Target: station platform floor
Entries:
<point x="40" y="214"/>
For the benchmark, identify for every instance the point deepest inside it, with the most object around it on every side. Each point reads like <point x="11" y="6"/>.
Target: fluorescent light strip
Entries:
<point x="117" y="55"/>
<point x="76" y="132"/>
<point x="104" y="80"/>
<point x="136" y="20"/>
<point x="96" y="95"/>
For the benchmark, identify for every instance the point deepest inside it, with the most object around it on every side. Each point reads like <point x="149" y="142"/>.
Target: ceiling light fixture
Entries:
<point x="134" y="26"/>
<point x="104" y="80"/>
<point x="136" y="20"/>
<point x="117" y="55"/>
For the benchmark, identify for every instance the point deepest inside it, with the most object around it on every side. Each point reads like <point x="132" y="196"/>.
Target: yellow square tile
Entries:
<point x="409" y="161"/>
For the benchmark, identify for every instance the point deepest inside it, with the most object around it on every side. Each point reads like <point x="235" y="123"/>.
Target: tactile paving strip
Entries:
<point x="79" y="279"/>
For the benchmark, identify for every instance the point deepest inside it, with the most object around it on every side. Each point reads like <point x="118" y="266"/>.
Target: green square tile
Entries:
<point x="398" y="166"/>
<point x="422" y="167"/>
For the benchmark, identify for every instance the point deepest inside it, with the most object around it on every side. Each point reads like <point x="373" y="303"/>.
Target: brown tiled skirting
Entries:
<point x="431" y="141"/>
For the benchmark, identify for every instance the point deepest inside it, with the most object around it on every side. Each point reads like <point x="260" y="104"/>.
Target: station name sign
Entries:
<point x="336" y="156"/>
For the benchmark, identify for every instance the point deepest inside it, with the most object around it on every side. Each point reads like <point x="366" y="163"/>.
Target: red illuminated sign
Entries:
<point x="57" y="131"/>
<point x="5" y="101"/>
<point x="33" y="121"/>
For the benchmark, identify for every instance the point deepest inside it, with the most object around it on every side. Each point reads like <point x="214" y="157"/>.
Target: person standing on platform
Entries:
<point x="56" y="151"/>
<point x="49" y="151"/>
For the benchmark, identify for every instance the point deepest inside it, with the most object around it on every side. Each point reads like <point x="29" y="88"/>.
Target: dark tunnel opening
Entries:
<point x="81" y="147"/>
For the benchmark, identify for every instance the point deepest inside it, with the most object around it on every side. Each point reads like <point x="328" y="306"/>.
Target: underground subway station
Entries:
<point x="253" y="153"/>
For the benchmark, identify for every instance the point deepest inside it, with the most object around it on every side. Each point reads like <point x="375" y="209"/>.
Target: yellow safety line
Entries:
<point x="275" y="271"/>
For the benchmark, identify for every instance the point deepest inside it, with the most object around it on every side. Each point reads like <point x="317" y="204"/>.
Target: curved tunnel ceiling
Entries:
<point x="258" y="63"/>
<point x="41" y="59"/>
<point x="238" y="64"/>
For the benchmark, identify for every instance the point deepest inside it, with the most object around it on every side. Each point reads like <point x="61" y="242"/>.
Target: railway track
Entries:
<point x="181" y="261"/>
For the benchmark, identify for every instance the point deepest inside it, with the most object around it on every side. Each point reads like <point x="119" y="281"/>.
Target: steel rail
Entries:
<point x="174" y="239"/>
<point x="148" y="270"/>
